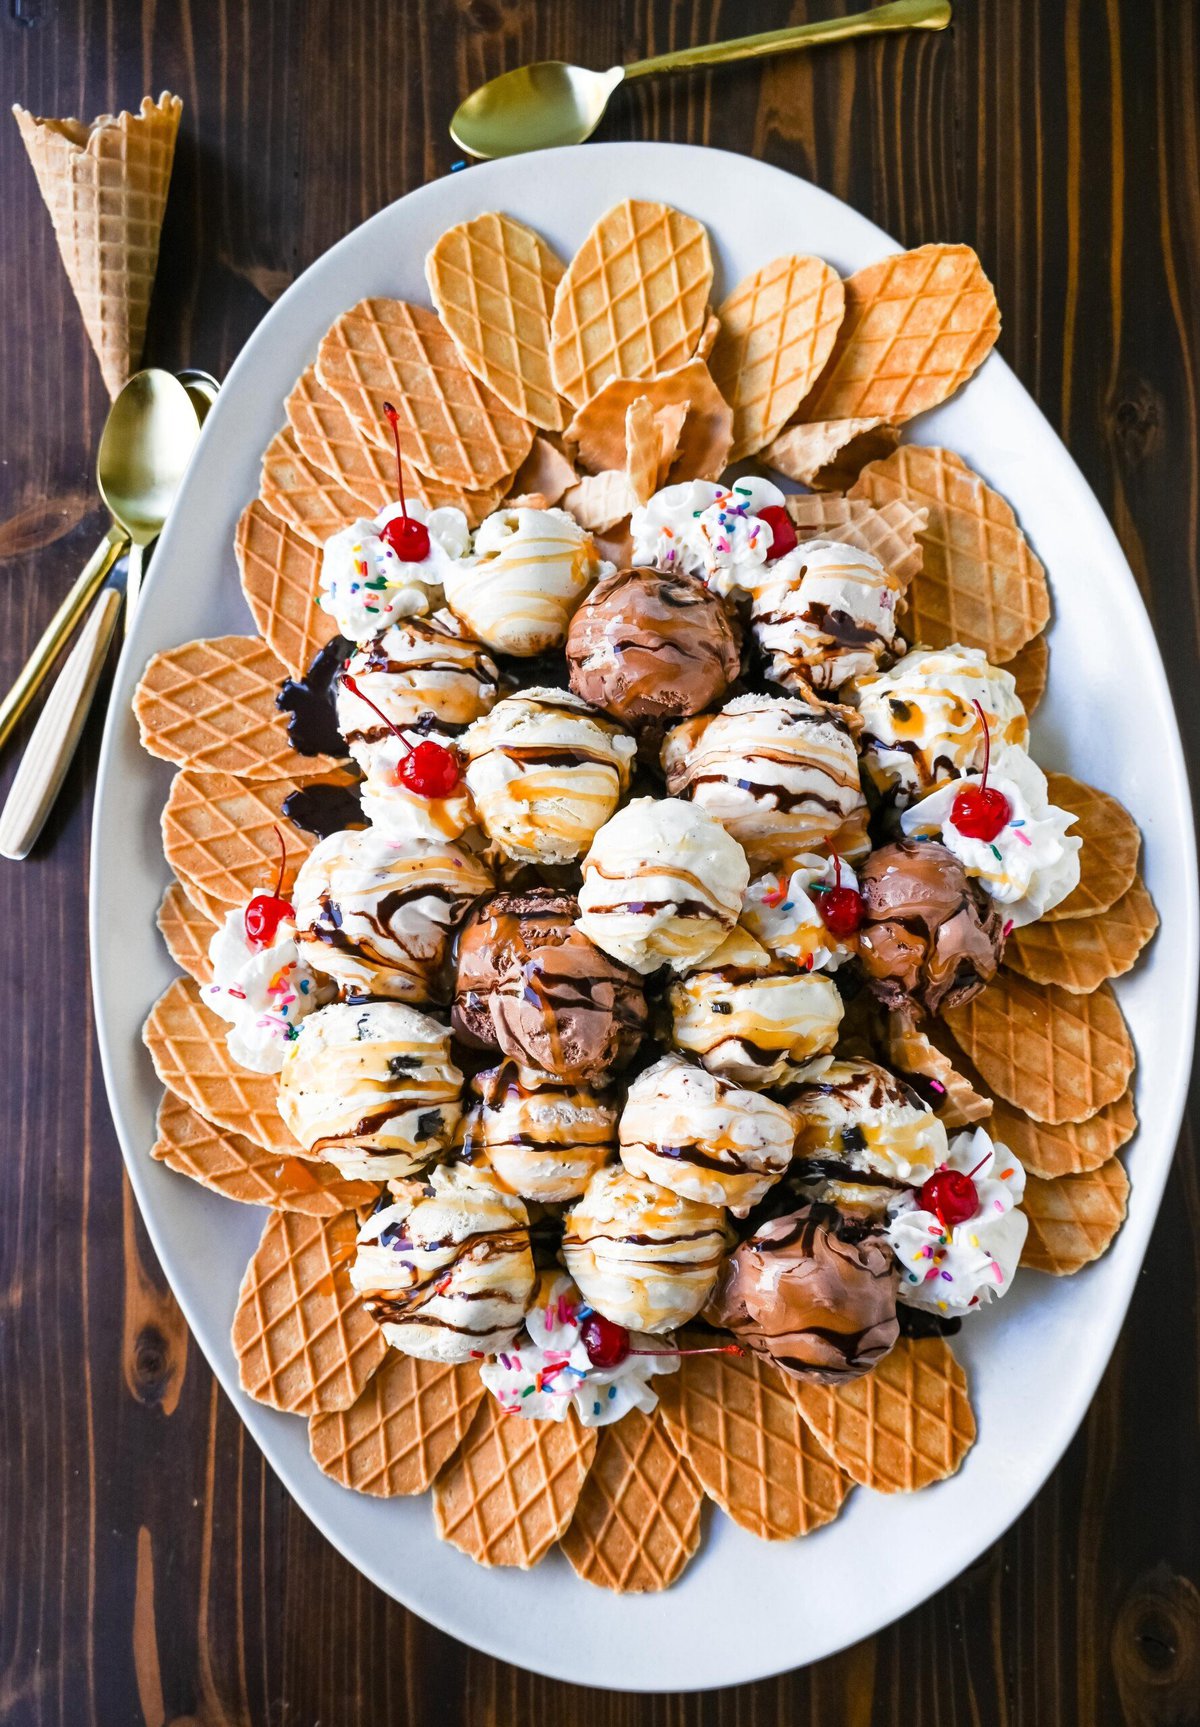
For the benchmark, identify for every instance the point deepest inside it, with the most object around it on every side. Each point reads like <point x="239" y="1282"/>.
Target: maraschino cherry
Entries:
<point x="783" y="534"/>
<point x="267" y="911"/>
<point x="407" y="537"/>
<point x="841" y="908"/>
<point x="429" y="769"/>
<point x="981" y="812"/>
<point x="952" y="1196"/>
<point x="607" y="1344"/>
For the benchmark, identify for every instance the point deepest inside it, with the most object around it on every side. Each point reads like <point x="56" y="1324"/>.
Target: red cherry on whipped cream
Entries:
<point x="841" y="908"/>
<point x="783" y="534"/>
<point x="409" y="539"/>
<point x="607" y="1344"/>
<point x="952" y="1195"/>
<point x="428" y="768"/>
<point x="981" y="812"/>
<point x="266" y="911"/>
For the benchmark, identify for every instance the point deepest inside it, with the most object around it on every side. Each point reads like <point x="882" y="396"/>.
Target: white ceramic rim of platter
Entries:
<point x="743" y="1609"/>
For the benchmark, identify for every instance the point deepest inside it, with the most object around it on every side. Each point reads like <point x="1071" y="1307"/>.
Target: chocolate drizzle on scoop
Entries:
<point x="311" y="702"/>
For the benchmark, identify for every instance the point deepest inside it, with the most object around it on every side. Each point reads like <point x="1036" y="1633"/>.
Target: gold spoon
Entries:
<point x="551" y="102"/>
<point x="144" y="448"/>
<point x="202" y="387"/>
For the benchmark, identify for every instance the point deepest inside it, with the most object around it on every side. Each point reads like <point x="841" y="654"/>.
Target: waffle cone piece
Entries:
<point x="891" y="533"/>
<point x="303" y="1339"/>
<point x="451" y="426"/>
<point x="191" y="1058"/>
<point x="512" y="1488"/>
<point x="280" y="573"/>
<point x="777" y="330"/>
<point x="210" y="705"/>
<point x="735" y="1420"/>
<point x="916" y="326"/>
<point x="1075" y="1219"/>
<point x="1079" y="953"/>
<point x="1109" y="855"/>
<point x="953" y="1098"/>
<point x="900" y="1427"/>
<point x="702" y="448"/>
<point x="401" y="1430"/>
<point x="829" y="455"/>
<point x="545" y="471"/>
<point x="599" y="502"/>
<point x="187" y="933"/>
<point x="1072" y="1148"/>
<point x="980" y="583"/>
<point x="633" y="301"/>
<point x="302" y="495"/>
<point x="637" y="1522"/>
<point x="493" y="281"/>
<point x="238" y="1169"/>
<point x="105" y="186"/>
<point x="1057" y="1056"/>
<point x="1030" y="668"/>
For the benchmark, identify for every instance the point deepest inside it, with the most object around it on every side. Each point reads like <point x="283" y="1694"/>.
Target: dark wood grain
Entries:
<point x="151" y="1568"/>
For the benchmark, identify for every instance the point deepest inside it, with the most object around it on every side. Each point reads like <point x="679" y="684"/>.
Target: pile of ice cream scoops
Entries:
<point x="665" y="835"/>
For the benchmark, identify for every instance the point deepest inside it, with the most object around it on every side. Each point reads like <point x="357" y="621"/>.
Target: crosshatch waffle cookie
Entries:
<point x="1071" y="1148"/>
<point x="280" y="573"/>
<point x="493" y="280"/>
<point x="451" y="426"/>
<point x="900" y="1427"/>
<point x="402" y="1428"/>
<point x="187" y="933"/>
<point x="1079" y="953"/>
<point x="892" y="533"/>
<point x="301" y="495"/>
<point x="637" y="1522"/>
<point x="776" y="331"/>
<point x="1109" y="855"/>
<point x="511" y="1490"/>
<point x="735" y="1421"/>
<point x="702" y="451"/>
<point x="303" y="1339"/>
<point x="1073" y="1220"/>
<point x="1030" y="668"/>
<point x="238" y="1169"/>
<point x="829" y="455"/>
<point x="633" y="301"/>
<point x="916" y="326"/>
<point x="980" y="583"/>
<point x="210" y="705"/>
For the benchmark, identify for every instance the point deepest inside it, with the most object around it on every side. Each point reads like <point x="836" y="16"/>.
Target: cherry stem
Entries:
<point x="837" y="868"/>
<point x="282" y="864"/>
<point x="987" y="743"/>
<point x="971" y="1173"/>
<point x="722" y="1349"/>
<point x="355" y="689"/>
<point x="393" y="420"/>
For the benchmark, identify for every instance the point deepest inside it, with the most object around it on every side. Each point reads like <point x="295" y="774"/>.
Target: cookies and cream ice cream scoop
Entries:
<point x="822" y="613"/>
<point x="544" y="1137"/>
<point x="862" y="1134"/>
<point x="528" y="571"/>
<point x="423" y="673"/>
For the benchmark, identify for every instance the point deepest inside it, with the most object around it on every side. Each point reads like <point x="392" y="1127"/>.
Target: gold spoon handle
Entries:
<point x="899" y="15"/>
<point x="87" y="585"/>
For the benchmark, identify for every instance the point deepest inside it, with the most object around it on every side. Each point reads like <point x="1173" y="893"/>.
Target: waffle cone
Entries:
<point x="451" y="426"/>
<point x="280" y="573"/>
<point x="900" y="1427"/>
<point x="511" y="1490"/>
<point x="980" y="583"/>
<point x="300" y="494"/>
<point x="1079" y="953"/>
<point x="829" y="455"/>
<point x="238" y="1169"/>
<point x="954" y="1099"/>
<point x="210" y="705"/>
<point x="777" y="330"/>
<point x="187" y="933"/>
<point x="736" y="1422"/>
<point x="105" y="186"/>
<point x="633" y="301"/>
<point x="304" y="1341"/>
<point x="1030" y="667"/>
<point x="1075" y="1219"/>
<point x="401" y="1430"/>
<point x="1057" y="1056"/>
<point x="702" y="450"/>
<point x="916" y="326"/>
<point x="1073" y="1147"/>
<point x="641" y="448"/>
<point x="545" y="471"/>
<point x="890" y="533"/>
<point x="191" y="1058"/>
<point x="599" y="501"/>
<point x="1109" y="855"/>
<point x="637" y="1522"/>
<point x="493" y="282"/>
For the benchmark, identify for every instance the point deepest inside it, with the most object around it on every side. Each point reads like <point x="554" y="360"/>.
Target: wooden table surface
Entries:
<point x="151" y="1568"/>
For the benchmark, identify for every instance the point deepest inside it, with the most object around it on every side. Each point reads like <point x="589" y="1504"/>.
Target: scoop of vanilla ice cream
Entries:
<point x="447" y="1270"/>
<point x="709" y="530"/>
<point x="780" y="773"/>
<point x="642" y="1256"/>
<point x="545" y="770"/>
<point x="861" y="1133"/>
<point x="366" y="586"/>
<point x="702" y="1137"/>
<point x="402" y="813"/>
<point x="421" y="672"/>
<point x="822" y="613"/>
<point x="781" y="911"/>
<point x="662" y="885"/>
<point x="263" y="992"/>
<point x="530" y="570"/>
<point x="1032" y="863"/>
<point x="371" y="1088"/>
<point x="955" y="1268"/>
<point x="750" y="1022"/>
<point x="378" y="914"/>
<point x="920" y="727"/>
<point x="544" y="1137"/>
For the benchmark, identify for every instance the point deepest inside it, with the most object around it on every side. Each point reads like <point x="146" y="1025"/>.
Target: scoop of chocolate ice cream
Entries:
<point x="931" y="938"/>
<point x="652" y="645"/>
<point x="532" y="985"/>
<point x="813" y="1291"/>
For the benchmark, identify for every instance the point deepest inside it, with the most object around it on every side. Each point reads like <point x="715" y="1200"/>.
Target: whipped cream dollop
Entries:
<point x="529" y="571"/>
<point x="366" y="586"/>
<point x="549" y="1373"/>
<point x="709" y="530"/>
<point x="1032" y="864"/>
<point x="950" y="1268"/>
<point x="781" y="911"/>
<point x="822" y="613"/>
<point x="398" y="811"/>
<point x="263" y="992"/>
